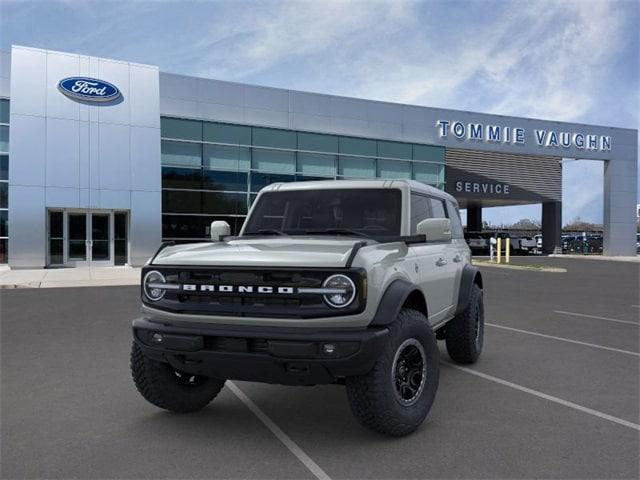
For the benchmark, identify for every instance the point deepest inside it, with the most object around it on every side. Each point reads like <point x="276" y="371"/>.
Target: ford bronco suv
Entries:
<point x="346" y="282"/>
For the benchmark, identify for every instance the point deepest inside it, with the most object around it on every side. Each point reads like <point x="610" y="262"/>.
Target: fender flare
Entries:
<point x="469" y="276"/>
<point x="392" y="300"/>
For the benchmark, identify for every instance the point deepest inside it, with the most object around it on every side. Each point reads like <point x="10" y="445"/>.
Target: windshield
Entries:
<point x="360" y="212"/>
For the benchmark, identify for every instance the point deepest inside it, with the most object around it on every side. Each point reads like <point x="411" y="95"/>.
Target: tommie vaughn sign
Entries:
<point x="88" y="89"/>
<point x="478" y="132"/>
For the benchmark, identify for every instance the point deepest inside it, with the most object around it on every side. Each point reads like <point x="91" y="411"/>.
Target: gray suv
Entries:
<point x="347" y="282"/>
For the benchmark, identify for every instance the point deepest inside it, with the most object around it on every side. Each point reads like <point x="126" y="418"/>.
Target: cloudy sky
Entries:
<point x="561" y="60"/>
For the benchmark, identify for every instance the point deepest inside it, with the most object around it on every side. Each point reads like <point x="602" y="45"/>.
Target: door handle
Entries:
<point x="457" y="258"/>
<point x="441" y="262"/>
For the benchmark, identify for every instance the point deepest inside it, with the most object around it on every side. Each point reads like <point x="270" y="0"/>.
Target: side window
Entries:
<point x="437" y="208"/>
<point x="456" y="223"/>
<point x="419" y="210"/>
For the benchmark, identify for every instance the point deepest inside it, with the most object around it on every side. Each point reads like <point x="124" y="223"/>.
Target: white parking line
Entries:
<point x="596" y="317"/>
<point x="602" y="347"/>
<point x="280" y="435"/>
<point x="551" y="398"/>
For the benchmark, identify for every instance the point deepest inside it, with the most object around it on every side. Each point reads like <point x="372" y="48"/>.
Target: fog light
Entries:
<point x="328" y="348"/>
<point x="157" y="338"/>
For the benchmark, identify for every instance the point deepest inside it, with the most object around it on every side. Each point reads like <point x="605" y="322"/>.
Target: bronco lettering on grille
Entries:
<point x="263" y="289"/>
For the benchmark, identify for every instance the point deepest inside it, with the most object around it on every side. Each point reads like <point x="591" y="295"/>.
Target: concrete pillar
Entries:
<point x="474" y="218"/>
<point x="552" y="227"/>
<point x="620" y="198"/>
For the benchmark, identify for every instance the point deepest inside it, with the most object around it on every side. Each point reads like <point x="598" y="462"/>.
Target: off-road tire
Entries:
<point x="159" y="384"/>
<point x="464" y="342"/>
<point x="373" y="396"/>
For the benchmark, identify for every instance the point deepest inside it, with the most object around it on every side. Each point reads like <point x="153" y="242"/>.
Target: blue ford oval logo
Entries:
<point x="89" y="89"/>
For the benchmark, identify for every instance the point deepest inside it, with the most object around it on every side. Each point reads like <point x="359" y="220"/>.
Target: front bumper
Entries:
<point x="289" y="356"/>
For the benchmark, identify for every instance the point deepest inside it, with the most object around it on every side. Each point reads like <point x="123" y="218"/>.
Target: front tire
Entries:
<point x="395" y="397"/>
<point x="465" y="333"/>
<point x="165" y="387"/>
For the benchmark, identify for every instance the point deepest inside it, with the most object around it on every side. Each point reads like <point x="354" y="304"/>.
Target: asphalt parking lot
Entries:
<point x="556" y="394"/>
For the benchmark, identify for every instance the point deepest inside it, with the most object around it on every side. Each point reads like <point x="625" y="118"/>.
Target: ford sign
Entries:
<point x="89" y="89"/>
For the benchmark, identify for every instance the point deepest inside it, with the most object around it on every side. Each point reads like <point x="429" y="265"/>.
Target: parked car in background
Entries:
<point x="478" y="243"/>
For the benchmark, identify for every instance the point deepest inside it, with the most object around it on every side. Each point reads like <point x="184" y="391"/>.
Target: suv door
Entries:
<point x="462" y="254"/>
<point x="434" y="261"/>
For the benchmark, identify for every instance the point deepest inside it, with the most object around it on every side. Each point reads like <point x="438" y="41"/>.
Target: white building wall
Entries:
<point x="71" y="154"/>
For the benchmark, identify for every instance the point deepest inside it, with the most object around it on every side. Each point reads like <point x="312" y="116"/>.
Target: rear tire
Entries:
<point x="465" y="333"/>
<point x="396" y="395"/>
<point x="163" y="386"/>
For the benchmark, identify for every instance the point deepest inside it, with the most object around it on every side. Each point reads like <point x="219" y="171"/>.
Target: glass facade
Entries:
<point x="212" y="171"/>
<point x="4" y="180"/>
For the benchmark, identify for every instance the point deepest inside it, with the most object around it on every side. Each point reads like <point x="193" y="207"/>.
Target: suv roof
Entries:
<point x="412" y="185"/>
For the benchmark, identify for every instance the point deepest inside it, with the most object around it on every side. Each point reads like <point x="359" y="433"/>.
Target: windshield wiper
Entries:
<point x="267" y="231"/>
<point x="337" y="231"/>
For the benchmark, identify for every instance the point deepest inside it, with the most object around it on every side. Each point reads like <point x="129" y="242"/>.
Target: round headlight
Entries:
<point x="150" y="285"/>
<point x="344" y="291"/>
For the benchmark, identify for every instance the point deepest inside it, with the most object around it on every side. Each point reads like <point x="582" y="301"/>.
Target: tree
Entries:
<point x="579" y="225"/>
<point x="526" y="224"/>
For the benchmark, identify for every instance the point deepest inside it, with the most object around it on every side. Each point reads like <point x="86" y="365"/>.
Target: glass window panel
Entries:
<point x="358" y="146"/>
<point x="274" y="161"/>
<point x="221" y="203"/>
<point x="176" y="201"/>
<point x="430" y="173"/>
<point x="394" y="169"/>
<point x="318" y="143"/>
<point x="428" y="153"/>
<point x="55" y="225"/>
<point x="357" y="167"/>
<point x="394" y="150"/>
<point x="261" y="180"/>
<point x="4" y="194"/>
<point x="375" y="212"/>
<point x="317" y="164"/>
<point x="217" y="180"/>
<point x="437" y="208"/>
<point x="56" y="252"/>
<point x="179" y="153"/>
<point x="419" y="210"/>
<point x="456" y="224"/>
<point x="120" y="226"/>
<point x="4" y="251"/>
<point x="4" y="111"/>
<point x="4" y="139"/>
<point x="173" y="177"/>
<point x="120" y="242"/>
<point x="4" y="223"/>
<point x="195" y="227"/>
<point x="226" y="157"/>
<point x="307" y="178"/>
<point x="4" y="167"/>
<point x="271" y="137"/>
<point x="184" y="226"/>
<point x="178" y="128"/>
<point x="225" y="133"/>
<point x="77" y="236"/>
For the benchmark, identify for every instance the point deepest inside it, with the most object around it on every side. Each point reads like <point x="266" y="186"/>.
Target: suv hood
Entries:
<point x="320" y="251"/>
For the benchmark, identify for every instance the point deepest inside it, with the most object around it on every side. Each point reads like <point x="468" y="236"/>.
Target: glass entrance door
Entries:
<point x="87" y="238"/>
<point x="77" y="240"/>
<point x="100" y="241"/>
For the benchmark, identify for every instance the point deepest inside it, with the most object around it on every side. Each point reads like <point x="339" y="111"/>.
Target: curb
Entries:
<point x="520" y="267"/>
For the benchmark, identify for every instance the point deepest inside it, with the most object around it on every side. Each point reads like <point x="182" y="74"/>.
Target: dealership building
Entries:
<point x="101" y="160"/>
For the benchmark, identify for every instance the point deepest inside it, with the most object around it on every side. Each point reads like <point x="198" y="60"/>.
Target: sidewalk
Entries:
<point x="69" y="277"/>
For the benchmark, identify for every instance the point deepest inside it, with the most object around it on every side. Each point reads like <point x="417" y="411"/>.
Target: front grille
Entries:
<point x="236" y="345"/>
<point x="254" y="304"/>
